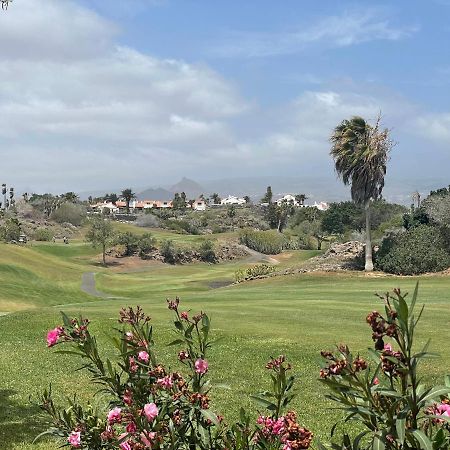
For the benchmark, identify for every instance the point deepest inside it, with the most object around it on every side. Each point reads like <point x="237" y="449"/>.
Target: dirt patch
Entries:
<point x="219" y="284"/>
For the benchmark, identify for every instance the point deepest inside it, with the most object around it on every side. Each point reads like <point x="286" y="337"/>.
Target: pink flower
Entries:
<point x="115" y="415"/>
<point x="131" y="427"/>
<point x="165" y="382"/>
<point x="388" y="347"/>
<point x="184" y="315"/>
<point x="443" y="410"/>
<point x="146" y="439"/>
<point x="125" y="446"/>
<point x="151" y="411"/>
<point x="74" y="439"/>
<point x="201" y="366"/>
<point x="133" y="365"/>
<point x="183" y="355"/>
<point x="376" y="381"/>
<point x="143" y="356"/>
<point x="53" y="336"/>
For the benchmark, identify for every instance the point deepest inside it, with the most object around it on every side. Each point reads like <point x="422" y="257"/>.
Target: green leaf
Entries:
<point x="378" y="442"/>
<point x="439" y="439"/>
<point x="175" y="342"/>
<point x="264" y="403"/>
<point x="435" y="392"/>
<point x="422" y="440"/>
<point x="400" y="426"/>
<point x="209" y="415"/>
<point x="414" y="297"/>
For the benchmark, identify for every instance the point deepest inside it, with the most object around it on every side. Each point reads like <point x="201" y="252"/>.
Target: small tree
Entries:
<point x="268" y="196"/>
<point x="101" y="232"/>
<point x="215" y="198"/>
<point x="146" y="244"/>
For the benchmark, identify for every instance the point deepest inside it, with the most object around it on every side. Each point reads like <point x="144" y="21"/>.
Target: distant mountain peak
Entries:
<point x="190" y="187"/>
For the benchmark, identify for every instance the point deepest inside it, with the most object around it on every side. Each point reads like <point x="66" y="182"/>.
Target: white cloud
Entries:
<point x="435" y="127"/>
<point x="333" y="31"/>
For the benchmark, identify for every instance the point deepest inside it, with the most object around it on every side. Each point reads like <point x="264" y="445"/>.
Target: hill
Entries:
<point x="190" y="187"/>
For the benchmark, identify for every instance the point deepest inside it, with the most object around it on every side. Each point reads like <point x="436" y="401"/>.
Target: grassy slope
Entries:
<point x="296" y="315"/>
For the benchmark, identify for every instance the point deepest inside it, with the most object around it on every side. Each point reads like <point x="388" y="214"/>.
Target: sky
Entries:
<point x="111" y="93"/>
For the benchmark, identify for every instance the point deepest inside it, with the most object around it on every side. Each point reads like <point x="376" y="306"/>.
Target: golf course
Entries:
<point x="296" y="315"/>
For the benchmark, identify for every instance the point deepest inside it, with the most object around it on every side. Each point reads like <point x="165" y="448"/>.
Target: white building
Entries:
<point x="322" y="206"/>
<point x="199" y="205"/>
<point x="106" y="206"/>
<point x="289" y="199"/>
<point x="232" y="200"/>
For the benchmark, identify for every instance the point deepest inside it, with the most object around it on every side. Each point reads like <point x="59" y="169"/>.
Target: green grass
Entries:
<point x="296" y="315"/>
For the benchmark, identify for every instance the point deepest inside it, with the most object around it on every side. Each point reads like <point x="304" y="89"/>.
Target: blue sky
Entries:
<point x="142" y="92"/>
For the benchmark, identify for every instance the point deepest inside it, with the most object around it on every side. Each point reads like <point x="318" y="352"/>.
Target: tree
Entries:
<point x="268" y="196"/>
<point x="178" y="201"/>
<point x="113" y="198"/>
<point x="5" y="3"/>
<point x="69" y="213"/>
<point x="215" y="198"/>
<point x="128" y="195"/>
<point x="360" y="152"/>
<point x="70" y="197"/>
<point x="101" y="232"/>
<point x="278" y="215"/>
<point x="300" y="199"/>
<point x="247" y="200"/>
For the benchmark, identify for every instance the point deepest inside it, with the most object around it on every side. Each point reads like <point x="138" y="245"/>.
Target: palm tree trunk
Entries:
<point x="104" y="255"/>
<point x="369" y="262"/>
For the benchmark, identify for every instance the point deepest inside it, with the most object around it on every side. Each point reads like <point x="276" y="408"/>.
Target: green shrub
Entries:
<point x="146" y="244"/>
<point x="268" y="242"/>
<point x="10" y="230"/>
<point x="181" y="226"/>
<point x="206" y="251"/>
<point x="43" y="234"/>
<point x="130" y="241"/>
<point x="70" y="213"/>
<point x="168" y="251"/>
<point x="253" y="272"/>
<point x="420" y="249"/>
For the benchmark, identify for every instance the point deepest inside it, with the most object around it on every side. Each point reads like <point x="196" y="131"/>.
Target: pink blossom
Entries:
<point x="183" y="355"/>
<point x="443" y="410"/>
<point x="53" y="336"/>
<point x="150" y="411"/>
<point x="74" y="439"/>
<point x="146" y="439"/>
<point x="143" y="356"/>
<point x="131" y="427"/>
<point x="376" y="381"/>
<point x="388" y="347"/>
<point x="125" y="446"/>
<point x="133" y="365"/>
<point x="165" y="382"/>
<point x="184" y="315"/>
<point x="201" y="366"/>
<point x="115" y="415"/>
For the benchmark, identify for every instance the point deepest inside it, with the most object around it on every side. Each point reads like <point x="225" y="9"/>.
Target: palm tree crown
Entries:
<point x="360" y="152"/>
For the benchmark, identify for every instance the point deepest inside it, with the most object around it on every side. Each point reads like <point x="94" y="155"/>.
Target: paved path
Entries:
<point x="88" y="286"/>
<point x="255" y="257"/>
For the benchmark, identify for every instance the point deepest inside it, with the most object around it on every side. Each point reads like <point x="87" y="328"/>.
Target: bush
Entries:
<point x="10" y="231"/>
<point x="206" y="251"/>
<point x="147" y="243"/>
<point x="43" y="234"/>
<point x="392" y="407"/>
<point x="69" y="213"/>
<point x="169" y="251"/>
<point x="130" y="241"/>
<point x="147" y="406"/>
<point x="267" y="242"/>
<point x="419" y="250"/>
<point x="148" y="220"/>
<point x="253" y="272"/>
<point x="181" y="226"/>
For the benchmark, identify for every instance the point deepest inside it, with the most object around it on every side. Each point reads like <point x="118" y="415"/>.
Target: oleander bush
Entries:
<point x="147" y="406"/>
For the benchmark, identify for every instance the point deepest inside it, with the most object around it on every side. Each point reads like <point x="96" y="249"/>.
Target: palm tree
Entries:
<point x="360" y="152"/>
<point x="300" y="199"/>
<point x="128" y="195"/>
<point x="416" y="198"/>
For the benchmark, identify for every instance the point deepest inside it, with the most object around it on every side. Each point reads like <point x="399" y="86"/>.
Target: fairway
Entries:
<point x="293" y="315"/>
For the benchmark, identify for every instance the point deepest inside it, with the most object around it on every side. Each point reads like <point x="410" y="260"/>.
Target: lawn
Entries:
<point x="295" y="315"/>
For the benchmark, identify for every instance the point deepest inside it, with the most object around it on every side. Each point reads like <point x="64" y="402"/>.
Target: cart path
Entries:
<point x="88" y="286"/>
